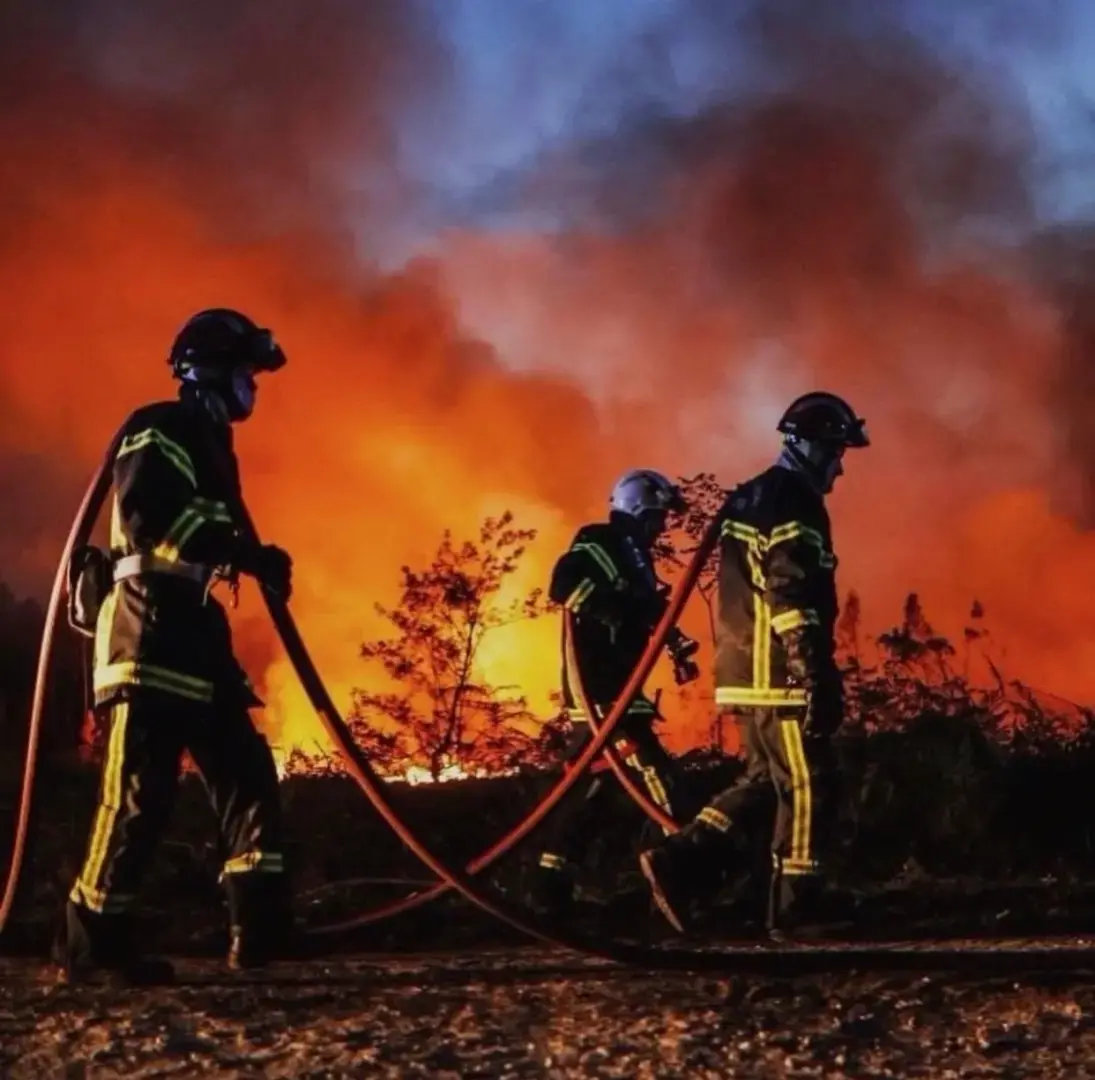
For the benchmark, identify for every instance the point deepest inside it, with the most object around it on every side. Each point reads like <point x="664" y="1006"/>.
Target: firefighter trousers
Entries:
<point x="146" y="738"/>
<point x="576" y="822"/>
<point x="793" y="770"/>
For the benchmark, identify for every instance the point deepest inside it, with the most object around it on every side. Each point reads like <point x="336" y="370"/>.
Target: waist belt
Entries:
<point x="131" y="566"/>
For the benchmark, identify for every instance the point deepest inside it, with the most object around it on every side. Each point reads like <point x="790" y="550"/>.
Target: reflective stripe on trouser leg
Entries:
<point x="796" y="856"/>
<point x="88" y="890"/>
<point x="238" y="769"/>
<point x="256" y="862"/>
<point x="137" y="788"/>
<point x="654" y="785"/>
<point x="713" y="818"/>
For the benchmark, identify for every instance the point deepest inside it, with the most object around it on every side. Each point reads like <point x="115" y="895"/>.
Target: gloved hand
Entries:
<point x="272" y="567"/>
<point x="682" y="648"/>
<point x="810" y="665"/>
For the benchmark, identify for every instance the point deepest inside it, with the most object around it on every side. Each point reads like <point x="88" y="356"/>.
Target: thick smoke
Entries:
<point x="857" y="213"/>
<point x="169" y="157"/>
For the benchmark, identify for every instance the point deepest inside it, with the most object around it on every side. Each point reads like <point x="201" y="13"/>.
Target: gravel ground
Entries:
<point x="532" y="1014"/>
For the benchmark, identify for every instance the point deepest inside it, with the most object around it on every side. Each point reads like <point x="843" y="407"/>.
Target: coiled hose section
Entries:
<point x="366" y="778"/>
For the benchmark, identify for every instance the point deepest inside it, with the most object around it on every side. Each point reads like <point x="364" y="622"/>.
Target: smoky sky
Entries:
<point x="850" y="202"/>
<point x="855" y="160"/>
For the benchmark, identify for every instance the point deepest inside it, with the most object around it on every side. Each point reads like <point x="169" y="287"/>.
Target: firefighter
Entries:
<point x="606" y="579"/>
<point x="165" y="677"/>
<point x="775" y="669"/>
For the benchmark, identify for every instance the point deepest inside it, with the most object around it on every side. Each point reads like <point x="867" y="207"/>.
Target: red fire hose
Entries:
<point x="551" y="800"/>
<point x="358" y="764"/>
<point x="641" y="799"/>
<point x="78" y="535"/>
<point x="339" y="733"/>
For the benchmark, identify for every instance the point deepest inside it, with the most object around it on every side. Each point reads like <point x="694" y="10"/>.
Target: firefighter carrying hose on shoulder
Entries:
<point x="775" y="668"/>
<point x="606" y="579"/>
<point x="165" y="677"/>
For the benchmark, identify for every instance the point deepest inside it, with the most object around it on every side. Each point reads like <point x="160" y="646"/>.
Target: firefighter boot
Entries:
<point x="794" y="907"/>
<point x="685" y="868"/>
<point x="99" y="949"/>
<point x="261" y="927"/>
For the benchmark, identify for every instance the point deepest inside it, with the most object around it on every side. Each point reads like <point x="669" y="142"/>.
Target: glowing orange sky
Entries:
<point x="783" y="257"/>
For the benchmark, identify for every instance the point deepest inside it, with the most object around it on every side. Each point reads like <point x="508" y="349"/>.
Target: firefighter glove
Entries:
<point x="682" y="648"/>
<point x="273" y="568"/>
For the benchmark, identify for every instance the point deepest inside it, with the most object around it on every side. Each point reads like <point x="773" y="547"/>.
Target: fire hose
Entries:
<point x="360" y="768"/>
<point x="78" y="535"/>
<point x="573" y="773"/>
<point x="619" y="769"/>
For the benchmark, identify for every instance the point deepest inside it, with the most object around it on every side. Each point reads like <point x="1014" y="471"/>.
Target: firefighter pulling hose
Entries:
<point x="165" y="677"/>
<point x="612" y="598"/>
<point x="357" y="764"/>
<point x="359" y="768"/>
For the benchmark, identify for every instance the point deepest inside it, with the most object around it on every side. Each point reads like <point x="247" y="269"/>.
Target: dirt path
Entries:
<point x="531" y="1014"/>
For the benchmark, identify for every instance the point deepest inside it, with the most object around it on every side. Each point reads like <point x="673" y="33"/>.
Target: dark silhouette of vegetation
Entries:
<point x="21" y="625"/>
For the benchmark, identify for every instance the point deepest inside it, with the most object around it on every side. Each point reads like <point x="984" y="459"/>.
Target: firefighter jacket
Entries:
<point x="175" y="481"/>
<point x="777" y="595"/>
<point x="607" y="581"/>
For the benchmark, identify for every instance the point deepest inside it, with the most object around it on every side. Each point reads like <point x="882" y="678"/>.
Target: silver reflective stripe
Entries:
<point x="130" y="566"/>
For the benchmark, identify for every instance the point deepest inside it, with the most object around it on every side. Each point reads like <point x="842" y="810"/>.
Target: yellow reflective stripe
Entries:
<point x="796" y="530"/>
<point x="601" y="556"/>
<point x="101" y="902"/>
<point x="576" y="715"/>
<point x="570" y="666"/>
<point x="118" y="539"/>
<point x="796" y="868"/>
<point x="104" y="625"/>
<point x="760" y="697"/>
<point x="574" y="601"/>
<point x="552" y="862"/>
<point x="642" y="707"/>
<point x="256" y="862"/>
<point x="654" y="785"/>
<point x="197" y="512"/>
<point x="185" y="525"/>
<point x="740" y="531"/>
<point x="715" y="818"/>
<point x="781" y="534"/>
<point x="762" y="643"/>
<point x="764" y="622"/>
<point x="88" y="886"/>
<point x="174" y="453"/>
<point x="801" y="796"/>
<point x="212" y="509"/>
<point x="130" y="673"/>
<point x="793" y="619"/>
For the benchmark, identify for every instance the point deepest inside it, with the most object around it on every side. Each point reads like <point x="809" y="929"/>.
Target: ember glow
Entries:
<point x="867" y="228"/>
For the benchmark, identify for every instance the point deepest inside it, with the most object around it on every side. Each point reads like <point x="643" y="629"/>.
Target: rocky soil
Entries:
<point x="521" y="1013"/>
